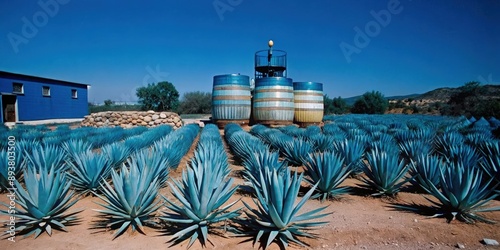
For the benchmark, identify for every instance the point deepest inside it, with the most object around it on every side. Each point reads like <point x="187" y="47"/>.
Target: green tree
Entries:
<point x="336" y="105"/>
<point x="196" y="102"/>
<point x="108" y="102"/>
<point x="160" y="96"/>
<point x="327" y="105"/>
<point x="487" y="108"/>
<point x="466" y="101"/>
<point x="370" y="103"/>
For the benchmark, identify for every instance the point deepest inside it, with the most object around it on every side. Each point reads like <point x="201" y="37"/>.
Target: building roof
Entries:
<point x="37" y="78"/>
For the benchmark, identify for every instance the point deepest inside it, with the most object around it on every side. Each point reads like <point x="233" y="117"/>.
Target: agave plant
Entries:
<point x="346" y="126"/>
<point x="53" y="141"/>
<point x="442" y="143"/>
<point x="321" y="142"/>
<point x="311" y="130"/>
<point x="259" y="162"/>
<point x="385" y="143"/>
<point x="478" y="139"/>
<point x="176" y="144"/>
<point x="26" y="146"/>
<point x="106" y="136"/>
<point x="426" y="134"/>
<point x="260" y="131"/>
<point x="463" y="154"/>
<point x="353" y="153"/>
<point x="462" y="195"/>
<point x="151" y="164"/>
<point x="35" y="135"/>
<point x="147" y="138"/>
<point x="10" y="168"/>
<point x="413" y="149"/>
<point x="491" y="163"/>
<point x="243" y="145"/>
<point x="202" y="192"/>
<point x="130" y="202"/>
<point x="117" y="153"/>
<point x="384" y="172"/>
<point x="294" y="150"/>
<point x="47" y="157"/>
<point x="328" y="171"/>
<point x="276" y="216"/>
<point x="209" y="155"/>
<point x="210" y="133"/>
<point x="74" y="148"/>
<point x="426" y="169"/>
<point x="294" y="131"/>
<point x="89" y="170"/>
<point x="134" y="131"/>
<point x="44" y="204"/>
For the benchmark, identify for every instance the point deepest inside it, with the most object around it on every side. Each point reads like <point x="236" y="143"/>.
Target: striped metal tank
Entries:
<point x="231" y="99"/>
<point x="308" y="99"/>
<point x="273" y="101"/>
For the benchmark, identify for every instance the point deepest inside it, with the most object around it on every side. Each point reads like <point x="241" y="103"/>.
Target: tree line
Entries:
<point x="468" y="101"/>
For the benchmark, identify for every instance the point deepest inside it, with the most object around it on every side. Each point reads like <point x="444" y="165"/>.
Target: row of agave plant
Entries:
<point x="130" y="198"/>
<point x="455" y="161"/>
<point x="200" y="195"/>
<point x="53" y="177"/>
<point x="41" y="134"/>
<point x="199" y="204"/>
<point x="77" y="154"/>
<point x="274" y="214"/>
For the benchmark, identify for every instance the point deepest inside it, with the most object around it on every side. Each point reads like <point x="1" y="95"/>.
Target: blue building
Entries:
<point x="29" y="98"/>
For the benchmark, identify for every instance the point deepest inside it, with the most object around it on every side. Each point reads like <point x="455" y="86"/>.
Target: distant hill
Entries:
<point x="351" y="100"/>
<point x="442" y="94"/>
<point x="430" y="102"/>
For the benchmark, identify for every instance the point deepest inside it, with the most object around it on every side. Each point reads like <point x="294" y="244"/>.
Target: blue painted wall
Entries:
<point x="32" y="105"/>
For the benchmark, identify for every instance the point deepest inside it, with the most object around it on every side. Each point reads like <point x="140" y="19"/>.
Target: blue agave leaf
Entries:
<point x="426" y="169"/>
<point x="204" y="188"/>
<point x="462" y="194"/>
<point x="383" y="172"/>
<point x="130" y="201"/>
<point x="327" y="169"/>
<point x="89" y="170"/>
<point x="267" y="219"/>
<point x="47" y="157"/>
<point x="44" y="202"/>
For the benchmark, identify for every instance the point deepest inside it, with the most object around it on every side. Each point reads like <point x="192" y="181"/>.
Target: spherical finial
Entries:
<point x="270" y="43"/>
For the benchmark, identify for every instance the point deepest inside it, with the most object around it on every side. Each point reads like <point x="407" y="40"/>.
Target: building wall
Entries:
<point x="32" y="105"/>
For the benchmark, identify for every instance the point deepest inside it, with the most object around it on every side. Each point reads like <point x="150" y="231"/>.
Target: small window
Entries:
<point x="74" y="94"/>
<point x="17" y="88"/>
<point x="45" y="90"/>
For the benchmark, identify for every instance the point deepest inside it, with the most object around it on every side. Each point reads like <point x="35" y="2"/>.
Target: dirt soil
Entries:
<point x="355" y="222"/>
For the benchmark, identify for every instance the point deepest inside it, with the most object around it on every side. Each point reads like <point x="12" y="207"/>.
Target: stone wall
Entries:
<point x="128" y="119"/>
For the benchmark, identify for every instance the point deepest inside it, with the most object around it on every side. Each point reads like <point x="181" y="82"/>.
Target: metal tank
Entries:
<point x="231" y="99"/>
<point x="309" y="106"/>
<point x="273" y="101"/>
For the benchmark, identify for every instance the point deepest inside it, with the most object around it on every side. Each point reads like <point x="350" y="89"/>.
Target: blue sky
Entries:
<point x="395" y="47"/>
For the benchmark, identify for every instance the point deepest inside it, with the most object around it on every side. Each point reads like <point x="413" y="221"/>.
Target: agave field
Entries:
<point x="358" y="181"/>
